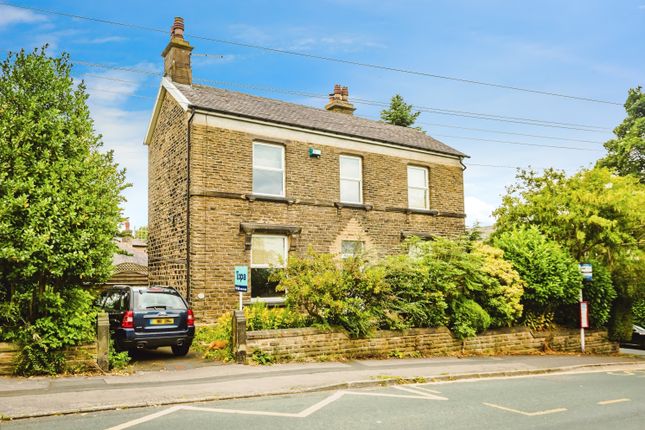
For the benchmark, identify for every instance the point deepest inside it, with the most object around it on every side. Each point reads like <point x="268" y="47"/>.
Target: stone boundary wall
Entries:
<point x="311" y="343"/>
<point x="77" y="359"/>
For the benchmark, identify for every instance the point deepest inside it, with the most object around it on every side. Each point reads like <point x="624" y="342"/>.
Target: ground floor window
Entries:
<point x="268" y="253"/>
<point x="351" y="248"/>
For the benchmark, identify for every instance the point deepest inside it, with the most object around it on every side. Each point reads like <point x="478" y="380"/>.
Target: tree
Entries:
<point x="626" y="153"/>
<point x="59" y="203"/>
<point x="141" y="233"/>
<point x="399" y="112"/>
<point x="595" y="215"/>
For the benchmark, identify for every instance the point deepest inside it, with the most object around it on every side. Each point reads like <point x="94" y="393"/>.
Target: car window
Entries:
<point x="163" y="299"/>
<point x="115" y="301"/>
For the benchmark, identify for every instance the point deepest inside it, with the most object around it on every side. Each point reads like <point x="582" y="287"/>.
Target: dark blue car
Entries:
<point x="148" y="317"/>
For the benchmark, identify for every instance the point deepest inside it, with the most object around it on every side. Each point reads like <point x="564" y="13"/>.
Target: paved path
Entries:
<point x="20" y="397"/>
<point x="598" y="400"/>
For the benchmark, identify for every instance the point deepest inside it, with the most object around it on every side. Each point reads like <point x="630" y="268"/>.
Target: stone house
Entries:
<point x="236" y="179"/>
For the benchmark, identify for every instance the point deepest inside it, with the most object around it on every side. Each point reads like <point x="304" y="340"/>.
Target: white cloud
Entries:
<point x="10" y="15"/>
<point x="478" y="211"/>
<point x="123" y="131"/>
<point x="102" y="40"/>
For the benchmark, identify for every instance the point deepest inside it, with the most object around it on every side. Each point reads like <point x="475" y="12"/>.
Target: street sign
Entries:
<point x="586" y="271"/>
<point x="584" y="314"/>
<point x="242" y="279"/>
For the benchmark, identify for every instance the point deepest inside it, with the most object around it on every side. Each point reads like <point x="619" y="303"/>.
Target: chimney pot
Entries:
<point x="177" y="29"/>
<point x="176" y="55"/>
<point x="339" y="101"/>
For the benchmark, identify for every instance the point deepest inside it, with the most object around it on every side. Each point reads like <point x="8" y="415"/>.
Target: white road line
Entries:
<point x="611" y="402"/>
<point x="303" y="414"/>
<point x="146" y="418"/>
<point x="310" y="410"/>
<point x="426" y="395"/>
<point x="528" y="414"/>
<point x="621" y="373"/>
<point x="418" y="387"/>
<point x="241" y="412"/>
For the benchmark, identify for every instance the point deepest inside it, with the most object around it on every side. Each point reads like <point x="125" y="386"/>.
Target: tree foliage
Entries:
<point x="399" y="112"/>
<point x="551" y="276"/>
<point x="626" y="153"/>
<point x="59" y="195"/>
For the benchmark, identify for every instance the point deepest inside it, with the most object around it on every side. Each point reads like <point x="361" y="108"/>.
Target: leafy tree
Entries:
<point x="141" y="233"/>
<point x="626" y="153"/>
<point x="399" y="112"/>
<point x="551" y="276"/>
<point x="594" y="214"/>
<point x="59" y="202"/>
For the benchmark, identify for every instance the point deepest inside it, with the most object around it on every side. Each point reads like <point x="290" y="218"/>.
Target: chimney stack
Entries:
<point x="176" y="55"/>
<point x="339" y="101"/>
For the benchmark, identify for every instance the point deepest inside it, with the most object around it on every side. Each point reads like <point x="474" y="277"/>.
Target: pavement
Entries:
<point x="202" y="381"/>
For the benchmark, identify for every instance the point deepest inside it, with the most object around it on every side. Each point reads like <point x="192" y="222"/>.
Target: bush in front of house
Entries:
<point x="552" y="278"/>
<point x="333" y="293"/>
<point x="261" y="317"/>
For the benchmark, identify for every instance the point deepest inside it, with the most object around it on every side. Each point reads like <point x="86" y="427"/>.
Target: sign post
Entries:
<point x="241" y="281"/>
<point x="587" y="276"/>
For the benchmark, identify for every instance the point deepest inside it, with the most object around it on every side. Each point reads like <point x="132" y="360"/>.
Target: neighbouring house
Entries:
<point x="130" y="263"/>
<point x="236" y="179"/>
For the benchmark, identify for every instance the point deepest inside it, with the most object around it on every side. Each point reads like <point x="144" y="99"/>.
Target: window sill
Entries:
<point x="270" y="301"/>
<point x="366" y="207"/>
<point x="431" y="212"/>
<point x="265" y="198"/>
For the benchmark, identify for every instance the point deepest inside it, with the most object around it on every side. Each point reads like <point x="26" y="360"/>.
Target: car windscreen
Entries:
<point x="145" y="299"/>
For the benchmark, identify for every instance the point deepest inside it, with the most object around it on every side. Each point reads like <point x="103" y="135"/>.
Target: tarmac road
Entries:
<point x="599" y="400"/>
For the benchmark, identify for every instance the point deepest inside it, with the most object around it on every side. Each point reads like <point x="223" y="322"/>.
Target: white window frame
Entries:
<point x="285" y="251"/>
<point x="426" y="189"/>
<point x="359" y="179"/>
<point x="270" y="169"/>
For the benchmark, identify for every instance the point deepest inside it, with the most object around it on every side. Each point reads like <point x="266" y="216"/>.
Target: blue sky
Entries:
<point x="587" y="48"/>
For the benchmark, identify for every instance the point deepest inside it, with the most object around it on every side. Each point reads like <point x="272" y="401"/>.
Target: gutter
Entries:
<point x="190" y="121"/>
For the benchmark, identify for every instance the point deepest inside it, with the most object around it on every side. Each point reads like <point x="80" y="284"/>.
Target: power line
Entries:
<point x="566" y="139"/>
<point x="576" y="148"/>
<point x="439" y="111"/>
<point x="325" y="58"/>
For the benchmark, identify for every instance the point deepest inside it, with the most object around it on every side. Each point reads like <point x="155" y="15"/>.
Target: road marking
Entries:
<point x="418" y="387"/>
<point x="611" y="402"/>
<point x="621" y="373"/>
<point x="311" y="409"/>
<point x="528" y="414"/>
<point x="418" y="392"/>
<point x="303" y="414"/>
<point x="146" y="418"/>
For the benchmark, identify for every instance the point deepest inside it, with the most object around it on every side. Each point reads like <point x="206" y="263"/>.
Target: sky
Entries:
<point x="584" y="48"/>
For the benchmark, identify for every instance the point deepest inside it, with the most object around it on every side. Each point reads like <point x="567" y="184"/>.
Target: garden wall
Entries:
<point x="309" y="343"/>
<point x="77" y="359"/>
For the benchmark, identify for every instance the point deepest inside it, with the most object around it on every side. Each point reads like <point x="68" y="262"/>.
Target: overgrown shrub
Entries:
<point x="117" y="360"/>
<point x="214" y="341"/>
<point x="333" y="293"/>
<point x="600" y="294"/>
<point x="638" y="312"/>
<point x="67" y="319"/>
<point x="468" y="318"/>
<point x="551" y="275"/>
<point x="410" y="299"/>
<point x="502" y="288"/>
<point x="260" y="317"/>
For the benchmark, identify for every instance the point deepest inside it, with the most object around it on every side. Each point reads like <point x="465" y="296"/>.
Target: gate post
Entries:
<point x="102" y="341"/>
<point x="238" y="334"/>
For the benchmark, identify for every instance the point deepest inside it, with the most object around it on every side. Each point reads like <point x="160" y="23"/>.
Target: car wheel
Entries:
<point x="180" y="350"/>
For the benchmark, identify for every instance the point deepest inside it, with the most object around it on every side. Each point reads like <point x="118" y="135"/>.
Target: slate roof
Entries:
<point x="276" y="111"/>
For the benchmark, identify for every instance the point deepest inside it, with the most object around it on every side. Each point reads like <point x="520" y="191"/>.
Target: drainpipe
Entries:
<point x="461" y="161"/>
<point x="190" y="121"/>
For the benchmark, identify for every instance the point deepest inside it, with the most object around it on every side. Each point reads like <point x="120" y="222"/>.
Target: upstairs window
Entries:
<point x="351" y="179"/>
<point x="268" y="253"/>
<point x="418" y="188"/>
<point x="268" y="169"/>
